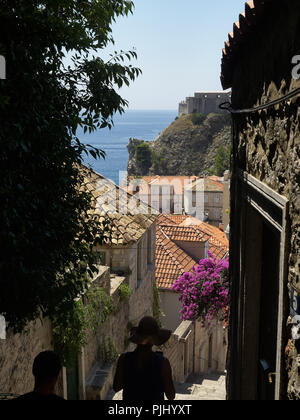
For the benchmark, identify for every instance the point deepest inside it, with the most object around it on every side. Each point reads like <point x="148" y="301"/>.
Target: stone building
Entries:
<point x="163" y="193"/>
<point x="181" y="241"/>
<point x="129" y="248"/>
<point x="203" y="199"/>
<point x="126" y="257"/>
<point x="259" y="65"/>
<point x="204" y="103"/>
<point x="226" y="200"/>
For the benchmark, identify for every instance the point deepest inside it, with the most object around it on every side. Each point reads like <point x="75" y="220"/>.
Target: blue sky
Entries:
<point x="179" y="46"/>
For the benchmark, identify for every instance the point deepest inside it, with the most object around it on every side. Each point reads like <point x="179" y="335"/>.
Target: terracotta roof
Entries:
<point x="128" y="217"/>
<point x="185" y="233"/>
<point x="171" y="261"/>
<point x="218" y="242"/>
<point x="178" y="183"/>
<point x="173" y="219"/>
<point x="167" y="219"/>
<point x="206" y="185"/>
<point x="242" y="29"/>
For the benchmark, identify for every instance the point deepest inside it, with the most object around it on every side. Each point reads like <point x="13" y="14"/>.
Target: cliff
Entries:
<point x="187" y="147"/>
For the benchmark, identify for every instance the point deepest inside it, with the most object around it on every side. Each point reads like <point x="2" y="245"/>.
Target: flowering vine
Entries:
<point x="204" y="290"/>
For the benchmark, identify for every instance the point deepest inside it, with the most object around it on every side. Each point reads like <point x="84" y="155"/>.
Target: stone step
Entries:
<point x="204" y="388"/>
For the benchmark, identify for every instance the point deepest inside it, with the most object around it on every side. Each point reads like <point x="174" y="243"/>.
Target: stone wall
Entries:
<point x="114" y="333"/>
<point x="204" y="102"/>
<point x="211" y="348"/>
<point x="180" y="351"/>
<point x="226" y="204"/>
<point x="267" y="143"/>
<point x="91" y="351"/>
<point x="141" y="301"/>
<point x="198" y="350"/>
<point x="170" y="309"/>
<point x="17" y="354"/>
<point x="102" y="350"/>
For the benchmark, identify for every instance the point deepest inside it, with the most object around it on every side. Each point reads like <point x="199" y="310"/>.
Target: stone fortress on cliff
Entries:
<point x="204" y="103"/>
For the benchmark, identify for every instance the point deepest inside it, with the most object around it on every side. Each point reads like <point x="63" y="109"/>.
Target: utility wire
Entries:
<point x="227" y="106"/>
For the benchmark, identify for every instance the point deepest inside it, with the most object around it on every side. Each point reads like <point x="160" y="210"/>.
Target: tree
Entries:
<point x="46" y="234"/>
<point x="143" y="155"/>
<point x="197" y="118"/>
<point x="222" y="160"/>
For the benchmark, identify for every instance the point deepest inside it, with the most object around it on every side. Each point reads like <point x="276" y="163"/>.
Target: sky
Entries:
<point x="179" y="45"/>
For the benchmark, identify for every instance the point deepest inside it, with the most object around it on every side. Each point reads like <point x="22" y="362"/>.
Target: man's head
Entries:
<point x="46" y="368"/>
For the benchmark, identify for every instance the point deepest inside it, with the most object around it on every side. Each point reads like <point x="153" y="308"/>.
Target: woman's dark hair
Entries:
<point x="46" y="365"/>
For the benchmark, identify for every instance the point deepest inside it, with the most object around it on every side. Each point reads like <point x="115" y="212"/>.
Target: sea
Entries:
<point x="143" y="125"/>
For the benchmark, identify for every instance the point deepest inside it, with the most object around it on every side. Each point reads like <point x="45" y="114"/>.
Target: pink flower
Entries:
<point x="204" y="290"/>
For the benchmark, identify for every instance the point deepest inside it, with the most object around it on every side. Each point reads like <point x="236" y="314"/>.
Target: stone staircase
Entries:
<point x="196" y="387"/>
<point x="204" y="387"/>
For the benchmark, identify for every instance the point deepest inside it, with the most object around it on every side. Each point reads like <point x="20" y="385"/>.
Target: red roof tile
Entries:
<point x="171" y="260"/>
<point x="185" y="233"/>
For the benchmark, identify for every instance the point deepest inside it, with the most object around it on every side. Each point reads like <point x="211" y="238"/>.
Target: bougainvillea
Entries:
<point x="204" y="290"/>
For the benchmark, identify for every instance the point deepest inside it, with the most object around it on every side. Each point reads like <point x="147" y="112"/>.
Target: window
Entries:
<point x="194" y="199"/>
<point x="205" y="198"/>
<point x="217" y="198"/>
<point x="155" y="205"/>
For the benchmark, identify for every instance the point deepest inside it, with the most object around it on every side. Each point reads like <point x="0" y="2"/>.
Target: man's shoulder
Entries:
<point x="35" y="396"/>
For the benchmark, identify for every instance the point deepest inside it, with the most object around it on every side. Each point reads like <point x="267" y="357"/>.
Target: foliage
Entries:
<point x="159" y="160"/>
<point x="222" y="161"/>
<point x="143" y="155"/>
<point x="73" y="324"/>
<point x="106" y="304"/>
<point x="46" y="234"/>
<point x="204" y="291"/>
<point x="124" y="292"/>
<point x="108" y="351"/>
<point x="197" y="118"/>
<point x="69" y="331"/>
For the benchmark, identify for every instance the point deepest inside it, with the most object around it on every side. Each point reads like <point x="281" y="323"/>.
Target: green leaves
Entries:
<point x="45" y="232"/>
<point x="222" y="160"/>
<point x="74" y="321"/>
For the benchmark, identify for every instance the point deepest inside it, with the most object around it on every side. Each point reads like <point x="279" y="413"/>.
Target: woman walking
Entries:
<point x="145" y="375"/>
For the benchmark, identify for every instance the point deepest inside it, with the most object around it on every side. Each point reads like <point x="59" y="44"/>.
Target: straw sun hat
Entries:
<point x="148" y="327"/>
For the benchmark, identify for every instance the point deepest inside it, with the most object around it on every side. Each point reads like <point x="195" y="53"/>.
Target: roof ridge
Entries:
<point x="170" y="254"/>
<point x="191" y="228"/>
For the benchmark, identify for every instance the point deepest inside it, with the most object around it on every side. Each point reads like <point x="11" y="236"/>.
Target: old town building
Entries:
<point x="181" y="241"/>
<point x="204" y="199"/>
<point x="126" y="257"/>
<point x="164" y="193"/>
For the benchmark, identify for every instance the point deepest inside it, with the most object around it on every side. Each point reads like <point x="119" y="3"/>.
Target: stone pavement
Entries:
<point x="204" y="387"/>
